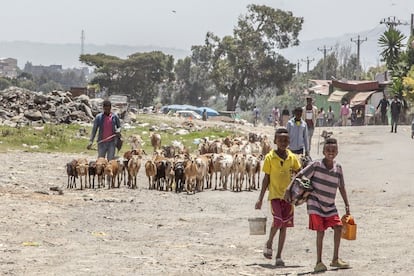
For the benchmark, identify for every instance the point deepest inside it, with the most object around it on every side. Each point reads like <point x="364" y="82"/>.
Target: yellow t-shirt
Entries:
<point x="280" y="172"/>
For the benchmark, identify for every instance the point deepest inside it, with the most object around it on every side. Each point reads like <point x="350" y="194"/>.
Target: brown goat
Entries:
<point x="156" y="141"/>
<point x="112" y="170"/>
<point x="82" y="171"/>
<point x="150" y="171"/>
<point x="134" y="164"/>
<point x="101" y="163"/>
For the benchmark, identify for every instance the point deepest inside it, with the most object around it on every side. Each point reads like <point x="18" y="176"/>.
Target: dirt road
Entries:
<point x="143" y="232"/>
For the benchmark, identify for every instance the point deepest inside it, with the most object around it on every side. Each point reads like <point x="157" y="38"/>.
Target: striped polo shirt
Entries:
<point x="325" y="184"/>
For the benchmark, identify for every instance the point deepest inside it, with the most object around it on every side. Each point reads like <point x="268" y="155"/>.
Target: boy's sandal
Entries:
<point x="339" y="264"/>
<point x="267" y="252"/>
<point x="279" y="262"/>
<point x="320" y="267"/>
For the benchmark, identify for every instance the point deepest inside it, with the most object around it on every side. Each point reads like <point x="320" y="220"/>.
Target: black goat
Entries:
<point x="179" y="176"/>
<point x="92" y="173"/>
<point x="72" y="174"/>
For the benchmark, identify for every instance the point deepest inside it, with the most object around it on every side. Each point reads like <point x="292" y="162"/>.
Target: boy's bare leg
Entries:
<point x="337" y="241"/>
<point x="273" y="231"/>
<point x="282" y="238"/>
<point x="319" y="244"/>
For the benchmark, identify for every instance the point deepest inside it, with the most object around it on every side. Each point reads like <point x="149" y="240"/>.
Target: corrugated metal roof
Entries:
<point x="337" y="96"/>
<point x="361" y="97"/>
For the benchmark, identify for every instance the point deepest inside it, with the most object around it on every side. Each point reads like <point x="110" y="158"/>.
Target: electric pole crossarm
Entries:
<point x="358" y="42"/>
<point x="324" y="50"/>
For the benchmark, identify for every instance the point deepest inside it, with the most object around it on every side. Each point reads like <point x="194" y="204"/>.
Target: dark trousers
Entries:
<point x="394" y="123"/>
<point x="384" y="118"/>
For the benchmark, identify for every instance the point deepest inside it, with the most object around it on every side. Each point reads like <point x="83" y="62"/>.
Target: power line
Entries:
<point x="358" y="41"/>
<point x="324" y="50"/>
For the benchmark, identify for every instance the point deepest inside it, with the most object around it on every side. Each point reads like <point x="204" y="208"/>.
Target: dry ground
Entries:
<point x="142" y="232"/>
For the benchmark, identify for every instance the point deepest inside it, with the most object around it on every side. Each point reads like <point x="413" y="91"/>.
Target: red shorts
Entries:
<point x="318" y="223"/>
<point x="282" y="212"/>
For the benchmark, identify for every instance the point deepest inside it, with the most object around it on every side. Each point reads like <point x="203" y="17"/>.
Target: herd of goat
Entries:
<point x="232" y="162"/>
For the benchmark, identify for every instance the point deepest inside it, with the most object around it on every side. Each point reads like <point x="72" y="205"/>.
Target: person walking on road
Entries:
<point x="278" y="166"/>
<point x="383" y="105"/>
<point x="344" y="113"/>
<point x="327" y="177"/>
<point x="311" y="115"/>
<point x="285" y="116"/>
<point x="109" y="127"/>
<point x="255" y="116"/>
<point x="298" y="133"/>
<point x="395" y="113"/>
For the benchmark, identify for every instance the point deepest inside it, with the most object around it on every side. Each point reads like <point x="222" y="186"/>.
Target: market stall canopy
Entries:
<point x="337" y="96"/>
<point x="361" y="98"/>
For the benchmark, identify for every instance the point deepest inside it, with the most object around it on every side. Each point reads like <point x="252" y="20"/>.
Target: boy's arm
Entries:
<point x="342" y="190"/>
<point x="265" y="184"/>
<point x="306" y="141"/>
<point x="93" y="133"/>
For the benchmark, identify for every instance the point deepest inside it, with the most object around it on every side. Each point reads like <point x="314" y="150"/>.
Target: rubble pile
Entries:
<point x="19" y="106"/>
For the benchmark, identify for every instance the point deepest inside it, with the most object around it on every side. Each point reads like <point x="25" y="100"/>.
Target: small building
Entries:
<point x="8" y="68"/>
<point x="360" y="95"/>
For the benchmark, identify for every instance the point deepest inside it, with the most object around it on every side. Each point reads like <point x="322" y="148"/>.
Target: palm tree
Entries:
<point x="391" y="42"/>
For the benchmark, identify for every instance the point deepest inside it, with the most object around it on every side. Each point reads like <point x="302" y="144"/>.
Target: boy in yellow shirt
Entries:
<point x="278" y="167"/>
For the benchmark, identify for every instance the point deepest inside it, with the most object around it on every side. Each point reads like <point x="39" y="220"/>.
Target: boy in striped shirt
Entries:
<point x="326" y="176"/>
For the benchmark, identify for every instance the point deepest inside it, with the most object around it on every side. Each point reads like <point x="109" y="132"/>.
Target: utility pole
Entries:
<point x="412" y="25"/>
<point x="392" y="22"/>
<point x="358" y="41"/>
<point x="297" y="66"/>
<point x="324" y="50"/>
<point x="82" y="42"/>
<point x="308" y="61"/>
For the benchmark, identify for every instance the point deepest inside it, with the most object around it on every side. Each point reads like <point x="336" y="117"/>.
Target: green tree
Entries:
<point x="28" y="84"/>
<point x="50" y="86"/>
<point x="137" y="76"/>
<point x="193" y="85"/>
<point x="373" y="71"/>
<point x="331" y="67"/>
<point x="408" y="83"/>
<point x="244" y="64"/>
<point x="4" y="83"/>
<point x="391" y="43"/>
<point x="106" y="69"/>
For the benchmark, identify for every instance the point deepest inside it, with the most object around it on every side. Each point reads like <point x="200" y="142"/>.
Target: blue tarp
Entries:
<point x="210" y="111"/>
<point x="199" y="110"/>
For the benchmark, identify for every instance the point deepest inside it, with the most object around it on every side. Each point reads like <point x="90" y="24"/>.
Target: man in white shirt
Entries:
<point x="310" y="113"/>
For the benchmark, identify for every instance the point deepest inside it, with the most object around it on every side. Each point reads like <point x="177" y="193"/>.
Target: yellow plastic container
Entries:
<point x="349" y="228"/>
<point x="257" y="226"/>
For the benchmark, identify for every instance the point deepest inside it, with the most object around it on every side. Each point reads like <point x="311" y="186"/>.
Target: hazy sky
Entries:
<point x="154" y="22"/>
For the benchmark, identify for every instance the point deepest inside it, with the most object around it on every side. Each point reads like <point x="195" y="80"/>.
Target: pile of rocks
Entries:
<point x="20" y="106"/>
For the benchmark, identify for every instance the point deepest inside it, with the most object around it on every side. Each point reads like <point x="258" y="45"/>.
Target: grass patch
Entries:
<point x="46" y="138"/>
<point x="74" y="138"/>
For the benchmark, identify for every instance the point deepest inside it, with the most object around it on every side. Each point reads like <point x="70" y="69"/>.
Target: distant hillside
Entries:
<point x="68" y="54"/>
